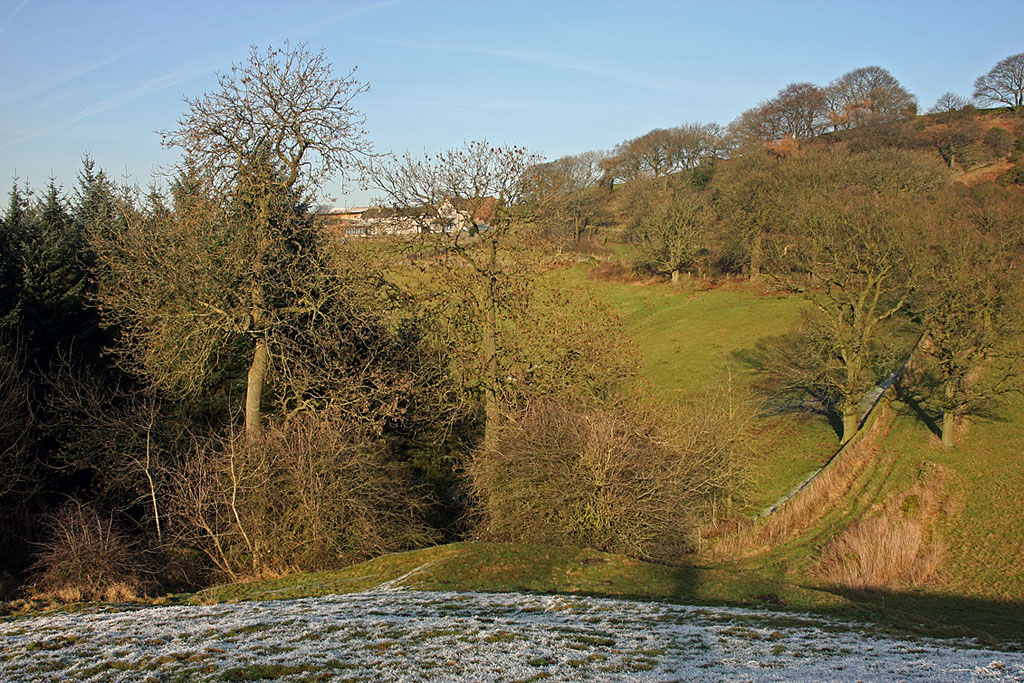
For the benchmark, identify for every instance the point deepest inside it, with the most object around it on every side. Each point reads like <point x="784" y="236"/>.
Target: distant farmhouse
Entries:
<point x="364" y="221"/>
<point x="346" y="222"/>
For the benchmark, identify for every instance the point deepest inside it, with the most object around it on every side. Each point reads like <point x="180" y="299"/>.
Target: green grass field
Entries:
<point x="690" y="337"/>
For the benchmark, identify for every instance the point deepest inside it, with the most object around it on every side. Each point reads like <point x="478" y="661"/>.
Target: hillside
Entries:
<point x="977" y="144"/>
<point x="979" y="526"/>
<point x="978" y="590"/>
<point x="693" y="337"/>
<point x="648" y="351"/>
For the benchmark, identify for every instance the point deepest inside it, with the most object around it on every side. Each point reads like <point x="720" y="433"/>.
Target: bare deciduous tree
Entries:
<point x="969" y="302"/>
<point x="566" y="195"/>
<point x="852" y="254"/>
<point x="751" y="198"/>
<point x="286" y="103"/>
<point x="868" y="95"/>
<point x="798" y="112"/>
<point x="1003" y="84"/>
<point x="673" y="234"/>
<point x="237" y="255"/>
<point x="510" y="337"/>
<point x="664" y="151"/>
<point x="957" y="130"/>
<point x="470" y="202"/>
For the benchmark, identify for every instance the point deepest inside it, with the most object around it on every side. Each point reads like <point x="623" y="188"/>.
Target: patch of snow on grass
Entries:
<point x="394" y="635"/>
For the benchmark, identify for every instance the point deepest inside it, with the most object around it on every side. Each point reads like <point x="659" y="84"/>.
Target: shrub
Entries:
<point x="613" y="479"/>
<point x="999" y="140"/>
<point x="313" y="495"/>
<point x="86" y="556"/>
<point x="1015" y="176"/>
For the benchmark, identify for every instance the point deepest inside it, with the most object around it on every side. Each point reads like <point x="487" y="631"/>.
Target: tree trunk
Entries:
<point x="675" y="278"/>
<point x="491" y="374"/>
<point x="948" y="416"/>
<point x="254" y="392"/>
<point x="849" y="421"/>
<point x="756" y="255"/>
<point x="490" y="349"/>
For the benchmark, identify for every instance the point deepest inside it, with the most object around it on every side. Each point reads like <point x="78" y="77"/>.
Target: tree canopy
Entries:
<point x="286" y="103"/>
<point x="1003" y="84"/>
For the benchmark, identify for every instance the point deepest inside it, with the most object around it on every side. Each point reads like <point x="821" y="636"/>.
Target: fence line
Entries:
<point x="874" y="398"/>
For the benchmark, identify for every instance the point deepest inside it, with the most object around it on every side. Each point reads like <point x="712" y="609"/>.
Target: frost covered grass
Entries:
<point x="419" y="635"/>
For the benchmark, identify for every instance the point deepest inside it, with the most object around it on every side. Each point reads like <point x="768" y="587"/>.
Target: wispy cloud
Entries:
<point x="10" y="19"/>
<point x="66" y="77"/>
<point x="484" y="104"/>
<point x="148" y="87"/>
<point x="348" y="14"/>
<point x="540" y="59"/>
<point x="353" y="12"/>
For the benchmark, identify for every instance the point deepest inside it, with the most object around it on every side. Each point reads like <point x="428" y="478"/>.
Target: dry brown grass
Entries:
<point x="744" y="537"/>
<point x="893" y="546"/>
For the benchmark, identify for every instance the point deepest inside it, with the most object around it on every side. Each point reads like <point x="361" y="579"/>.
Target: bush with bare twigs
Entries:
<point x="314" y="494"/>
<point x="86" y="556"/>
<point x="612" y="271"/>
<point x="15" y="419"/>
<point x="614" y="479"/>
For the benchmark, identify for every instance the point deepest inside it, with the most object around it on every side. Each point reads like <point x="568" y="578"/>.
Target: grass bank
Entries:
<point x="503" y="567"/>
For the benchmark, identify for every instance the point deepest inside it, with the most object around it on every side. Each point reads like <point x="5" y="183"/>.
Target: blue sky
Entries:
<point x="557" y="77"/>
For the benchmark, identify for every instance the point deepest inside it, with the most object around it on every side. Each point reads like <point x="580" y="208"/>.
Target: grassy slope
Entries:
<point x="550" y="569"/>
<point x="981" y="583"/>
<point x="690" y="337"/>
<point x="985" y="533"/>
<point x="503" y="567"/>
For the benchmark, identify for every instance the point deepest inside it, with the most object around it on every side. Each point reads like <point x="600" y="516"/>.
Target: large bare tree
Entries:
<point x="225" y="269"/>
<point x="469" y="201"/>
<point x="957" y="129"/>
<point x="868" y="95"/>
<point x="286" y="103"/>
<point x="1003" y="84"/>
<point x="510" y="335"/>
<point x="970" y="299"/>
<point x="566" y="195"/>
<point x="851" y="245"/>
<point x="852" y="254"/>
<point x="673" y="236"/>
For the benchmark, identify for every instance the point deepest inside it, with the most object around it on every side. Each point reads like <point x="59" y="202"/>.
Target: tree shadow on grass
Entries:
<point x="913" y="392"/>
<point x="788" y="401"/>
<point x="913" y="403"/>
<point x="989" y="622"/>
